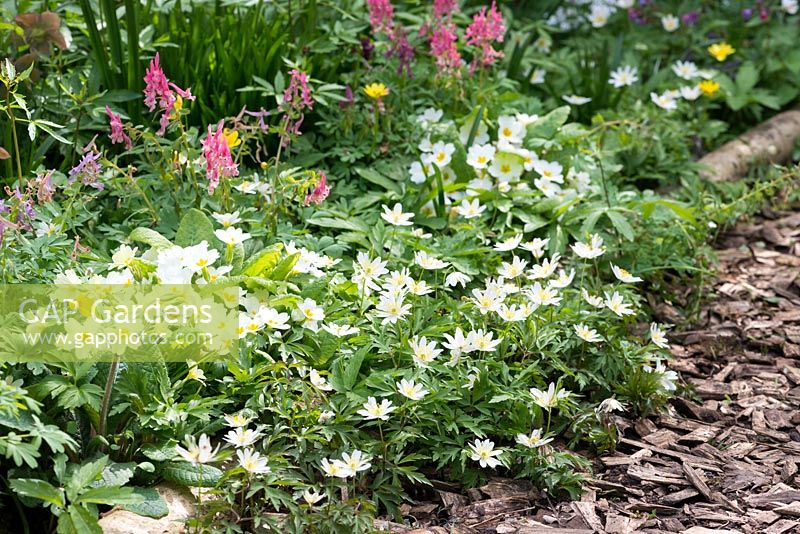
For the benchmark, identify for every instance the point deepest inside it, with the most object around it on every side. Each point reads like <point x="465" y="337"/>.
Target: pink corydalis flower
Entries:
<point x="217" y="153"/>
<point x="443" y="48"/>
<point x="118" y="134"/>
<point x="486" y="29"/>
<point x="296" y="99"/>
<point x="159" y="92"/>
<point x="381" y="16"/>
<point x="444" y="8"/>
<point x="319" y="193"/>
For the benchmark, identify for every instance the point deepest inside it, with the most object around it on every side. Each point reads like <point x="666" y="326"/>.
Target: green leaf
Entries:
<point x="194" y="228"/>
<point x="377" y="178"/>
<point x="547" y="126"/>
<point x="110" y="495"/>
<point x="186" y="474"/>
<point x="83" y="477"/>
<point x="263" y="261"/>
<point x="84" y="521"/>
<point x="160" y="453"/>
<point x="152" y="504"/>
<point x="38" y="489"/>
<point x="116" y="474"/>
<point x="346" y="369"/>
<point x="747" y="77"/>
<point x="284" y="267"/>
<point x="621" y="224"/>
<point x="149" y="237"/>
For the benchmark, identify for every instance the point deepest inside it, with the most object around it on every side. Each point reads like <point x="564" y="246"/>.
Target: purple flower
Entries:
<point x="690" y="18"/>
<point x="88" y="170"/>
<point x="349" y="98"/>
<point x="403" y="51"/>
<point x="261" y="114"/>
<point x="747" y="13"/>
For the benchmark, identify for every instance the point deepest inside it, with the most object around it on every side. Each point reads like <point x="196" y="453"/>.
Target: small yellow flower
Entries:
<point x="376" y="90"/>
<point x="721" y="51"/>
<point x="709" y="87"/>
<point x="176" y="108"/>
<point x="232" y="138"/>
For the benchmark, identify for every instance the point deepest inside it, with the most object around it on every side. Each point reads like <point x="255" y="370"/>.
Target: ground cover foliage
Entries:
<point x="448" y="223"/>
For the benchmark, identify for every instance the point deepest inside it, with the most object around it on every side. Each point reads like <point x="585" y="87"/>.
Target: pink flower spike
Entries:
<point x="320" y="193"/>
<point x="486" y="28"/>
<point x="118" y="134"/>
<point x="381" y="16"/>
<point x="183" y="93"/>
<point x="157" y="85"/>
<point x="444" y="8"/>
<point x="443" y="48"/>
<point x="217" y="153"/>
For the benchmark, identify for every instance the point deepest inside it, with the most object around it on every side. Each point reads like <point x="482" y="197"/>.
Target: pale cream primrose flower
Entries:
<point x="551" y="171"/>
<point x="232" y="236"/>
<point x="670" y="22"/>
<point x="479" y="156"/>
<point x="309" y="313"/>
<point x="227" y="219"/>
<point x="470" y="209"/>
<point x="123" y="257"/>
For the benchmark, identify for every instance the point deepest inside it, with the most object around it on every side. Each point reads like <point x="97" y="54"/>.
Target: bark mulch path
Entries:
<point x="723" y="459"/>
